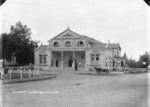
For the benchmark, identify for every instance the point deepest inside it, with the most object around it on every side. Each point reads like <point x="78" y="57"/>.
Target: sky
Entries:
<point x="119" y="21"/>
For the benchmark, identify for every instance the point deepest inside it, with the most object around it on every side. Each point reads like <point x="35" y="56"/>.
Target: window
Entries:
<point x="40" y="59"/>
<point x="92" y="57"/>
<point x="67" y="43"/>
<point x="117" y="52"/>
<point x="110" y="64"/>
<point x="122" y="63"/>
<point x="79" y="43"/>
<point x="106" y="64"/>
<point x="113" y="63"/>
<point x="97" y="57"/>
<point x="56" y="44"/>
<point x="44" y="59"/>
<point x="52" y="63"/>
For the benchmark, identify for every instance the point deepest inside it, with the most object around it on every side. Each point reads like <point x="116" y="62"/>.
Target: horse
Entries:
<point x="98" y="70"/>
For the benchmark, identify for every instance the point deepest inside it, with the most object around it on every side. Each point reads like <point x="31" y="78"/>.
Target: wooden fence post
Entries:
<point x="10" y="71"/>
<point x="24" y="70"/>
<point x="18" y="69"/>
<point x="34" y="72"/>
<point x="20" y="73"/>
<point x="37" y="71"/>
<point x="29" y="73"/>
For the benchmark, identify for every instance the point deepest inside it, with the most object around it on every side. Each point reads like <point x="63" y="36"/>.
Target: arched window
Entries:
<point x="56" y="44"/>
<point x="79" y="43"/>
<point x="68" y="43"/>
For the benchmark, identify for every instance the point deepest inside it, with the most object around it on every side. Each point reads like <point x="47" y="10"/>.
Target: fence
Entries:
<point x="23" y="72"/>
<point x="136" y="70"/>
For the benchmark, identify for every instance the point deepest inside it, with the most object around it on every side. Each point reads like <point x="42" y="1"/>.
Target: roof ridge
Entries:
<point x="67" y="29"/>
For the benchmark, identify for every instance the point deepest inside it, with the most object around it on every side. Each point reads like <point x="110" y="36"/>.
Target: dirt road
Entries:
<point x="80" y="89"/>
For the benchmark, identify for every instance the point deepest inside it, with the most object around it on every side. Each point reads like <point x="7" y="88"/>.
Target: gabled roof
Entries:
<point x="95" y="43"/>
<point x="113" y="46"/>
<point x="43" y="47"/>
<point x="68" y="30"/>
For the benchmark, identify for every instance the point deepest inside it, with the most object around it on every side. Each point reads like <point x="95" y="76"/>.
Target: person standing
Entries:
<point x="76" y="65"/>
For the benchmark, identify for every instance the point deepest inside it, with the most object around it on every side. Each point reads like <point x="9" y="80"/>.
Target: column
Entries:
<point x="73" y="63"/>
<point x="85" y="60"/>
<point x="50" y="58"/>
<point x="62" y="55"/>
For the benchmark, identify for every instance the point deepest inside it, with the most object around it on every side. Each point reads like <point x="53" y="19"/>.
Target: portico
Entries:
<point x="67" y="58"/>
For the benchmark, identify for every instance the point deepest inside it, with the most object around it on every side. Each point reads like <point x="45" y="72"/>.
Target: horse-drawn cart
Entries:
<point x="98" y="70"/>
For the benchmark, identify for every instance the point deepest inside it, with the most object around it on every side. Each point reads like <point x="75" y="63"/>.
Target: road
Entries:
<point x="80" y="89"/>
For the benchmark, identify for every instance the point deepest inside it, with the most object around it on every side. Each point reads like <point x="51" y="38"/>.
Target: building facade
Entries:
<point x="69" y="47"/>
<point x="0" y="47"/>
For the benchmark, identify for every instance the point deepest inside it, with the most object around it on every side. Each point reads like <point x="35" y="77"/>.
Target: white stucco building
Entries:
<point x="68" y="46"/>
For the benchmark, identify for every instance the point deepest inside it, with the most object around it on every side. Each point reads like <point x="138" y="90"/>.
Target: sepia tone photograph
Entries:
<point x="74" y="53"/>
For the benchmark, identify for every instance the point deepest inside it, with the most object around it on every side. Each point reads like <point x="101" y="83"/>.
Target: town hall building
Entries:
<point x="69" y="47"/>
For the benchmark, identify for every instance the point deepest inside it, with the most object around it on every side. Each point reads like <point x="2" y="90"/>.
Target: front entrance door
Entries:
<point x="56" y="63"/>
<point x="70" y="61"/>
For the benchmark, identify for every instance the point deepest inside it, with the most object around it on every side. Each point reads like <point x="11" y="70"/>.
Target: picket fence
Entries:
<point x="35" y="71"/>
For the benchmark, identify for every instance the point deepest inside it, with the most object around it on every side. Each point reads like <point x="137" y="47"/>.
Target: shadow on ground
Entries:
<point x="101" y="74"/>
<point x="36" y="78"/>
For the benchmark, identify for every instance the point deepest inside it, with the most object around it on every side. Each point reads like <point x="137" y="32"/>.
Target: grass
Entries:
<point x="136" y="71"/>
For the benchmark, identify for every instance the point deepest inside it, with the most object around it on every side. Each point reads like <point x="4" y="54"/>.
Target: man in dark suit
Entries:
<point x="76" y="65"/>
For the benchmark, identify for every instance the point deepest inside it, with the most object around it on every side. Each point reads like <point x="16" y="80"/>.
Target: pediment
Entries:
<point x="68" y="35"/>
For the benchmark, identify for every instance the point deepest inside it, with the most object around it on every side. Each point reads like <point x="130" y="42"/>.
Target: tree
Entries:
<point x="144" y="60"/>
<point x="0" y="47"/>
<point x="132" y="63"/>
<point x="125" y="56"/>
<point x="18" y="44"/>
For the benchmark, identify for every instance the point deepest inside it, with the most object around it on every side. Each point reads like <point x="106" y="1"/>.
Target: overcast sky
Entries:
<point x="123" y="21"/>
